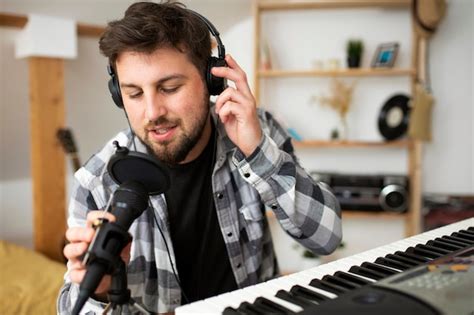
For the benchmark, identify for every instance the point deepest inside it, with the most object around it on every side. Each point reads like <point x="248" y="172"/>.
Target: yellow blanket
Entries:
<point x="29" y="281"/>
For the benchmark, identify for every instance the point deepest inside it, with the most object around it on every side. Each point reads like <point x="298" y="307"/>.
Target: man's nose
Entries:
<point x="154" y="108"/>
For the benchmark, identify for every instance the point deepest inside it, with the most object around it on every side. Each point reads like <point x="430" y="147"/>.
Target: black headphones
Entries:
<point x="215" y="85"/>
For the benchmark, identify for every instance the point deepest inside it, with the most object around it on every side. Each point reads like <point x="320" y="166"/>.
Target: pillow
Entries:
<point x="29" y="281"/>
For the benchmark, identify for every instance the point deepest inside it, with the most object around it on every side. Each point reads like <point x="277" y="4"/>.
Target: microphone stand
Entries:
<point x="119" y="293"/>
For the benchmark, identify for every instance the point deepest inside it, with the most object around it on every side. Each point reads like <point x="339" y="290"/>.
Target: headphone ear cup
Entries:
<point x="114" y="89"/>
<point x="215" y="85"/>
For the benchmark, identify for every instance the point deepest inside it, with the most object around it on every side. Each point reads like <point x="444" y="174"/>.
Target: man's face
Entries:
<point x="167" y="103"/>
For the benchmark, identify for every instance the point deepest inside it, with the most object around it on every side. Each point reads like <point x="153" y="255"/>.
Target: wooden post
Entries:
<point x="47" y="158"/>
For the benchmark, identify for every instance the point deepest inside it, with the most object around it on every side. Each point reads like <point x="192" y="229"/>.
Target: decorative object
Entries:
<point x="266" y="59"/>
<point x="340" y="101"/>
<point x="355" y="48"/>
<point x="419" y="126"/>
<point x="394" y="116"/>
<point x="333" y="64"/>
<point x="385" y="55"/>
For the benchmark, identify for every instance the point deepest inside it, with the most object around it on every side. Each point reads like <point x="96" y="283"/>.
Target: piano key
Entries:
<point x="422" y="252"/>
<point x="421" y="259"/>
<point x="467" y="231"/>
<point x="272" y="307"/>
<point x="392" y="263"/>
<point x="444" y="245"/>
<point x="440" y="251"/>
<point x="382" y="269"/>
<point x="350" y="277"/>
<point x="341" y="282"/>
<point x="451" y="241"/>
<point x="405" y="260"/>
<point x="287" y="296"/>
<point x="367" y="273"/>
<point x="467" y="235"/>
<point x="457" y="239"/>
<point x="230" y="311"/>
<point x="246" y="308"/>
<point x="327" y="286"/>
<point x="308" y="294"/>
<point x="464" y="236"/>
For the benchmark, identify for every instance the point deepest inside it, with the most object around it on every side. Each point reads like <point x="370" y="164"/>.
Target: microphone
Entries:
<point x="138" y="175"/>
<point x="129" y="202"/>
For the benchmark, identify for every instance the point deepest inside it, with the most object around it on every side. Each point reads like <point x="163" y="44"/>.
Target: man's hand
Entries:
<point x="237" y="109"/>
<point x="79" y="239"/>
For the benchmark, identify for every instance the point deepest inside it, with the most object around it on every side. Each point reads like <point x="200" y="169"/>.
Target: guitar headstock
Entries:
<point x="66" y="139"/>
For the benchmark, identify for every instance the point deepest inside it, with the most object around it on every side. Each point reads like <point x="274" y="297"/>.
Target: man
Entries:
<point x="229" y="163"/>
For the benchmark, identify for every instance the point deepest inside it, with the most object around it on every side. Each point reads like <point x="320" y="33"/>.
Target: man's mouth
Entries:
<point x="162" y="133"/>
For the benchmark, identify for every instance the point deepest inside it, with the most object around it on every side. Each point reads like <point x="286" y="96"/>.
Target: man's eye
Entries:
<point x="169" y="90"/>
<point x="135" y="95"/>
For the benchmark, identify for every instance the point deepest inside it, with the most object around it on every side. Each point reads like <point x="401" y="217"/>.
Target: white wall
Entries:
<point x="448" y="160"/>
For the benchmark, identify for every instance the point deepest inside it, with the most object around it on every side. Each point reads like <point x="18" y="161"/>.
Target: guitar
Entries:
<point x="66" y="139"/>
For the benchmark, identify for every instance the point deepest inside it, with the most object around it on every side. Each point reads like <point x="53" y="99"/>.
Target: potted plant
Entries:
<point x="355" y="48"/>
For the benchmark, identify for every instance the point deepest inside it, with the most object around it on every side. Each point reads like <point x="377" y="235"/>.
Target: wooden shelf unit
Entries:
<point x="361" y="72"/>
<point x="412" y="218"/>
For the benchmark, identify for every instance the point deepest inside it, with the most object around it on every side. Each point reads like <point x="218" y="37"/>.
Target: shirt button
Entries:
<point x="239" y="265"/>
<point x="247" y="175"/>
<point x="229" y="234"/>
<point x="220" y="195"/>
<point x="274" y="206"/>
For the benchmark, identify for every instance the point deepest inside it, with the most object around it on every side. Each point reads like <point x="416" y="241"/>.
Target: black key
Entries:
<point x="444" y="245"/>
<point x="392" y="263"/>
<point x="271" y="307"/>
<point x="230" y="311"/>
<point x="450" y="241"/>
<point x="457" y="239"/>
<point x="367" y="273"/>
<point x="467" y="235"/>
<point x="441" y="251"/>
<point x="408" y="261"/>
<point x="293" y="299"/>
<point x="384" y="270"/>
<point x="423" y="252"/>
<point x="421" y="259"/>
<point x="246" y="308"/>
<point x="463" y="236"/>
<point x="341" y="282"/>
<point x="471" y="228"/>
<point x="467" y="232"/>
<point x="351" y="278"/>
<point x="306" y="293"/>
<point x="326" y="286"/>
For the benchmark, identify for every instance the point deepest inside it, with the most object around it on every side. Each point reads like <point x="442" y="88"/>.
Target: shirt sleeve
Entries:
<point x="305" y="209"/>
<point x="80" y="203"/>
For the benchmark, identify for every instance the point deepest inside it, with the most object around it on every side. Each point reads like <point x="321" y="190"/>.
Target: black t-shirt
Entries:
<point x="201" y="255"/>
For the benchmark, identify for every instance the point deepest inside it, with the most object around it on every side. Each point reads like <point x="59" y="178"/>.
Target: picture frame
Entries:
<point x="385" y="55"/>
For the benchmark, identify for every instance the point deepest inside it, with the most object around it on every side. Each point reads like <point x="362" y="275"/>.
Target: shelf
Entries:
<point x="330" y="4"/>
<point x="352" y="214"/>
<point x="352" y="144"/>
<point x="360" y="72"/>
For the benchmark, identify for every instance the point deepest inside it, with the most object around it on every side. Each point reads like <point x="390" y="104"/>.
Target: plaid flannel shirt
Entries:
<point x="271" y="179"/>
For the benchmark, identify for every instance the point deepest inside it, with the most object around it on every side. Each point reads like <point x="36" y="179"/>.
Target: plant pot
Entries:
<point x="353" y="62"/>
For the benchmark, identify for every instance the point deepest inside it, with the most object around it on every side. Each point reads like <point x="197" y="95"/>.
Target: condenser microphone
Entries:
<point x="129" y="202"/>
<point x="138" y="176"/>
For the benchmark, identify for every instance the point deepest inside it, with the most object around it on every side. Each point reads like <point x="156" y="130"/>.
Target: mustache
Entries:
<point x="162" y="121"/>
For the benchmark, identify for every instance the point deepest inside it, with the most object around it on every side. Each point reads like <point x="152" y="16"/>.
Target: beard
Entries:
<point x="175" y="151"/>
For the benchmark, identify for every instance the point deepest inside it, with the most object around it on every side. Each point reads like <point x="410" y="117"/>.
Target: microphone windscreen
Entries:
<point x="141" y="168"/>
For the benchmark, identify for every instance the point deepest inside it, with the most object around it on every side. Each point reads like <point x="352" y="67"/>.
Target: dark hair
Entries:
<point x="148" y="26"/>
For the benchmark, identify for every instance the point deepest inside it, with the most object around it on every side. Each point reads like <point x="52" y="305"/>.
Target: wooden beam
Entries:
<point x="19" y="21"/>
<point x="47" y="114"/>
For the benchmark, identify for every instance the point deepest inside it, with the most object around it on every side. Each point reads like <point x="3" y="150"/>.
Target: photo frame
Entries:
<point x="385" y="55"/>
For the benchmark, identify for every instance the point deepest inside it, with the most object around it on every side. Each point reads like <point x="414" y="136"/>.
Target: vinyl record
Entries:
<point x="394" y="117"/>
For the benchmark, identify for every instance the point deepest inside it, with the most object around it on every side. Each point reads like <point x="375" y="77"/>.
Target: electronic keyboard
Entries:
<point x="308" y="291"/>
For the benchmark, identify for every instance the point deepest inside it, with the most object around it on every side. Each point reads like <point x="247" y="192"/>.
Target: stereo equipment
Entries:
<point x="367" y="192"/>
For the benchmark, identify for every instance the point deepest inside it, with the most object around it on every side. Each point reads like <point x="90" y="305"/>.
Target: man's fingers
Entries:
<point x="94" y="216"/>
<point x="75" y="250"/>
<point x="80" y="234"/>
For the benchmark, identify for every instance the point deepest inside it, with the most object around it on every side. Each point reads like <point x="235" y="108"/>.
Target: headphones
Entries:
<point x="215" y="85"/>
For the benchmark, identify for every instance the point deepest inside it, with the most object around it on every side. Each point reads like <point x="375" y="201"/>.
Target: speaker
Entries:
<point x="367" y="192"/>
<point x="215" y="85"/>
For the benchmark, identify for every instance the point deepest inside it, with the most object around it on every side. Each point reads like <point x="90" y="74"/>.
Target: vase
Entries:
<point x="353" y="62"/>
